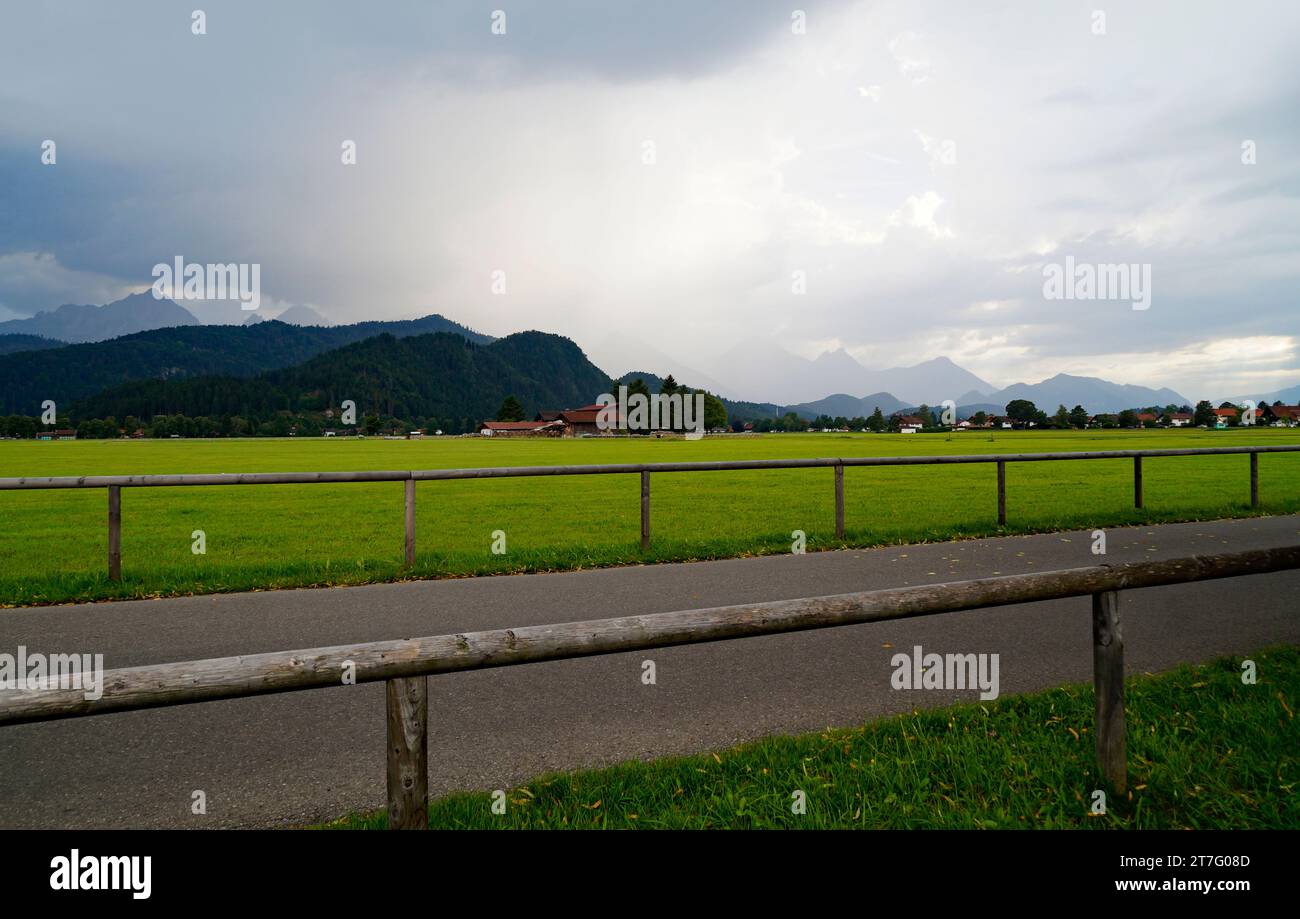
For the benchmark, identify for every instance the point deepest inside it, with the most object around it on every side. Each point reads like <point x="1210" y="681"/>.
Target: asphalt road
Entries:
<point x="309" y="756"/>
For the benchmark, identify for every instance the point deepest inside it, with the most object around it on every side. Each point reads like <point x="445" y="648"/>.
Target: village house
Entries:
<point x="1281" y="416"/>
<point x="521" y="428"/>
<point x="909" y="424"/>
<point x="580" y="421"/>
<point x="571" y="422"/>
<point x="1178" y="419"/>
<point x="1146" y="420"/>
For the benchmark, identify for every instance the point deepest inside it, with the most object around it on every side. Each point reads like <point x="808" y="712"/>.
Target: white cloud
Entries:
<point x="27" y="276"/>
<point x="913" y="62"/>
<point x="1122" y="149"/>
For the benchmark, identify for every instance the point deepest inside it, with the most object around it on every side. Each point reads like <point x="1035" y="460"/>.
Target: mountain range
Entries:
<point x="72" y="372"/>
<point x="73" y="323"/>
<point x="1288" y="396"/>
<point x="166" y="343"/>
<point x="302" y="315"/>
<point x="442" y="378"/>
<point x="1095" y="395"/>
<point x="767" y="371"/>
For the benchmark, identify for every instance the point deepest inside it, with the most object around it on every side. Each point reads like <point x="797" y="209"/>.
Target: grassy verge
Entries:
<point x="1204" y="751"/>
<point x="53" y="544"/>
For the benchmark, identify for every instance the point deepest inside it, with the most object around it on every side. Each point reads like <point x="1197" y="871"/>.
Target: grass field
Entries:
<point x="53" y="544"/>
<point x="1204" y="751"/>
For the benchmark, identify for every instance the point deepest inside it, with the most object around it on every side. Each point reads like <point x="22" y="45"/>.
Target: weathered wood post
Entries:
<point x="408" y="752"/>
<point x="1002" y="493"/>
<point x="1108" y="688"/>
<point x="410" y="522"/>
<point x="1137" y="481"/>
<point x="645" y="510"/>
<point x="839" y="501"/>
<point x="1254" y="480"/>
<point x="115" y="532"/>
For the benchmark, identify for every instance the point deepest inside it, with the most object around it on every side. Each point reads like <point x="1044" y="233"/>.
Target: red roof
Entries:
<point x="1226" y="412"/>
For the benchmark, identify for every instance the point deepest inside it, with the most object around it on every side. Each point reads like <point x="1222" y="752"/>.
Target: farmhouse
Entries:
<point x="579" y="421"/>
<point x="1178" y="419"/>
<point x="60" y="434"/>
<point x="1222" y="416"/>
<point x="521" y="428"/>
<point x="571" y="422"/>
<point x="1281" y="416"/>
<point x="1146" y="419"/>
<point x="909" y="424"/>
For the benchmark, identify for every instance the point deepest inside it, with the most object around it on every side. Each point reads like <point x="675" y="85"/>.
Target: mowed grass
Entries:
<point x="53" y="544"/>
<point x="1204" y="751"/>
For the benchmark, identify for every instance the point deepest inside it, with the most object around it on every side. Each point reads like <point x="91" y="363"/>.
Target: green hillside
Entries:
<point x="74" y="372"/>
<point x="435" y="378"/>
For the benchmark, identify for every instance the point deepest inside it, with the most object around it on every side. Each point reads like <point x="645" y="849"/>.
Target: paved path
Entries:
<point x="313" y="755"/>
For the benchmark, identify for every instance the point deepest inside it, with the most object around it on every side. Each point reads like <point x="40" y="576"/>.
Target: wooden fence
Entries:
<point x="406" y="664"/>
<point x="115" y="483"/>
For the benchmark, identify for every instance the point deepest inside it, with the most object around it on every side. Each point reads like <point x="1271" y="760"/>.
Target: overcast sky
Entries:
<point x="661" y="172"/>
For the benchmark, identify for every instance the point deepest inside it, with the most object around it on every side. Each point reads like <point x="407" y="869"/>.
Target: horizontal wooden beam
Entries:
<point x="315" y="668"/>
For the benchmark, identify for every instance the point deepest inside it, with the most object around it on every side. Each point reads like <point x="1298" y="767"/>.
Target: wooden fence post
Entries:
<point x="1002" y="493"/>
<point x="1137" y="481"/>
<point x="1108" y="688"/>
<point x="1254" y="480"/>
<point x="408" y="752"/>
<point x="115" y="532"/>
<point x="645" y="511"/>
<point x="410" y="522"/>
<point x="839" y="502"/>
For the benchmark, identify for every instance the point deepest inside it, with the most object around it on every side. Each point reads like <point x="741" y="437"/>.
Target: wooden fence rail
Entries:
<point x="406" y="663"/>
<point x="115" y="483"/>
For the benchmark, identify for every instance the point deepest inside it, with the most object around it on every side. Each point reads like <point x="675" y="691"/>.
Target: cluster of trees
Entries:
<point x="787" y="422"/>
<point x="876" y="422"/>
<point x="715" y="410"/>
<point x="20" y="426"/>
<point x="1023" y="413"/>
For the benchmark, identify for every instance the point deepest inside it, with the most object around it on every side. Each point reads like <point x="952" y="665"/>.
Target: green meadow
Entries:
<point x="53" y="544"/>
<point x="1205" y="751"/>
